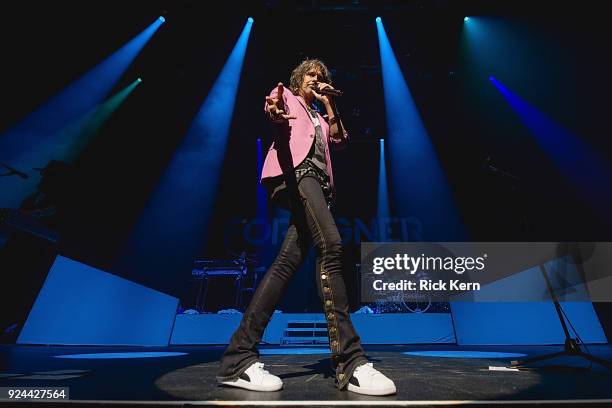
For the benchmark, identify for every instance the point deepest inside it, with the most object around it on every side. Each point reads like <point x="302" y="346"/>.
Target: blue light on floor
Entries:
<point x="144" y="354"/>
<point x="463" y="354"/>
<point x="290" y="350"/>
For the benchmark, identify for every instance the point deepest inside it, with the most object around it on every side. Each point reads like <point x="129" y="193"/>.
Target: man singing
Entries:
<point x="298" y="174"/>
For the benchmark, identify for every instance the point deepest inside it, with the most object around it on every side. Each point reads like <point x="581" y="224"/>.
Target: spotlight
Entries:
<point x="162" y="19"/>
<point x="378" y="19"/>
<point x="466" y="19"/>
<point x="382" y="141"/>
<point x="139" y="79"/>
<point x="250" y="20"/>
<point x="491" y="78"/>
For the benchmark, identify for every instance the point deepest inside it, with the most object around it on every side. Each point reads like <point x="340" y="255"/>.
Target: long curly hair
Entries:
<point x="297" y="75"/>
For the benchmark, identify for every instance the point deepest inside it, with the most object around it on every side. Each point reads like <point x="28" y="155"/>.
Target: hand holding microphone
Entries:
<point x="323" y="92"/>
<point x="326" y="89"/>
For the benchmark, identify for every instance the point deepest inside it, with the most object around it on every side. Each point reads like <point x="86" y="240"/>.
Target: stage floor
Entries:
<point x="420" y="380"/>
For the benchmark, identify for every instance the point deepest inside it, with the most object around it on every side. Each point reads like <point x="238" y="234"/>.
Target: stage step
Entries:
<point x="305" y="332"/>
<point x="300" y="329"/>
<point x="305" y="321"/>
<point x="303" y="340"/>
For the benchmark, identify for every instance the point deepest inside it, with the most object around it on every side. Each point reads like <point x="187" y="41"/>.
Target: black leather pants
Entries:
<point x="311" y="222"/>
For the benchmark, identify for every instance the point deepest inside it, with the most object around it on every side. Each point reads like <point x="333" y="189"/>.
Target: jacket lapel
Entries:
<point x="301" y="101"/>
<point x="303" y="105"/>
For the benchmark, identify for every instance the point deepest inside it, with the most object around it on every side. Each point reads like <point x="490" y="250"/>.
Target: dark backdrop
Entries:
<point x="47" y="45"/>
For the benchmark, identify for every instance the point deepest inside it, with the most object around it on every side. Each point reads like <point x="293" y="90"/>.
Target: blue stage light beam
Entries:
<point x="419" y="186"/>
<point x="89" y="125"/>
<point x="481" y="40"/>
<point x="30" y="144"/>
<point x="383" y="191"/>
<point x="588" y="172"/>
<point x="68" y="142"/>
<point x="173" y="226"/>
<point x="262" y="196"/>
<point x="262" y="220"/>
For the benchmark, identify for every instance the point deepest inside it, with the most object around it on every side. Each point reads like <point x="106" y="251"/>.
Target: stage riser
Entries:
<point x="498" y="314"/>
<point x="516" y="323"/>
<point x="79" y="304"/>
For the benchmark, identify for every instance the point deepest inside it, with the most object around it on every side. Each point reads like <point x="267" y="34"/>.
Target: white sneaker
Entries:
<point x="369" y="381"/>
<point x="255" y="378"/>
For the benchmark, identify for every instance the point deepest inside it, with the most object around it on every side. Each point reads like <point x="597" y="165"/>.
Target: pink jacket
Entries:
<point x="283" y="156"/>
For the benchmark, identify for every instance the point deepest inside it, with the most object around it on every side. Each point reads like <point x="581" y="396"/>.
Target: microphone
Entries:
<point x="329" y="91"/>
<point x="13" y="171"/>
